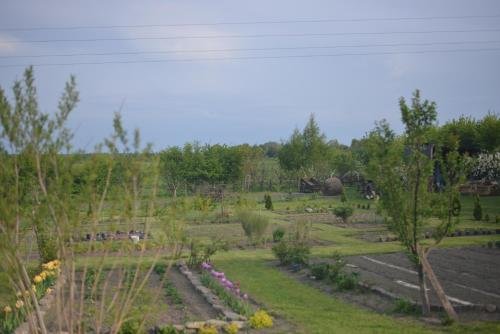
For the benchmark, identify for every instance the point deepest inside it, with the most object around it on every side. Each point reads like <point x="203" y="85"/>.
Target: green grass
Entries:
<point x="311" y="310"/>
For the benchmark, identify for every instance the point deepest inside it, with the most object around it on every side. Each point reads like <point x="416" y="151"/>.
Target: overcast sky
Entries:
<point x="255" y="100"/>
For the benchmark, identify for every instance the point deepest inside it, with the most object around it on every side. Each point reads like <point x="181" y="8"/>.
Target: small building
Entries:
<point x="310" y="185"/>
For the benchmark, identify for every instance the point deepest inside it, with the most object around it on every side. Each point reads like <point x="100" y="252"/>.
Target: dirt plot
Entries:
<point x="470" y="276"/>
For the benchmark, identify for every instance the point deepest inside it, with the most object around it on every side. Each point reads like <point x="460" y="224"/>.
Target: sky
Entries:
<point x="348" y="62"/>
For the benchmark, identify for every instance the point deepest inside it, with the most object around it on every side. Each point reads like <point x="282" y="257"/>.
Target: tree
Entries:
<point x="407" y="198"/>
<point x="304" y="153"/>
<point x="173" y="168"/>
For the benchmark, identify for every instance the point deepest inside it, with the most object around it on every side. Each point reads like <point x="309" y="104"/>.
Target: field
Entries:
<point x="466" y="266"/>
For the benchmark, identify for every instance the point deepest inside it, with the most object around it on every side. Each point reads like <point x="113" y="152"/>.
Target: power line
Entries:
<point x="250" y="49"/>
<point x="247" y="36"/>
<point x="254" y="57"/>
<point x="373" y="19"/>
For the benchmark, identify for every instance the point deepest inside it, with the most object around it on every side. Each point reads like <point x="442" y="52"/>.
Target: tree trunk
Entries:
<point x="424" y="296"/>
<point x="443" y="299"/>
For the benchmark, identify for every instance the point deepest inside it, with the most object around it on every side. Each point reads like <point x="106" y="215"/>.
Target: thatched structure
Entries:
<point x="333" y="186"/>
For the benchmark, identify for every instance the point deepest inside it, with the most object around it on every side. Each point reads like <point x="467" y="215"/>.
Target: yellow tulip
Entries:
<point x="7" y="309"/>
<point x="37" y="279"/>
<point x="33" y="288"/>
<point x="19" y="304"/>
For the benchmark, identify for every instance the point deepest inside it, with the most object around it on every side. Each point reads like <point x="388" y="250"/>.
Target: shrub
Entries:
<point x="169" y="329"/>
<point x="199" y="253"/>
<point x="231" y="328"/>
<point x="346" y="281"/>
<point x="268" y="202"/>
<point x="160" y="269"/>
<point x="278" y="234"/>
<point x="343" y="212"/>
<point x="487" y="218"/>
<point x="404" y="306"/>
<point x="335" y="268"/>
<point x="254" y="225"/>
<point x="208" y="329"/>
<point x="368" y="206"/>
<point x="289" y="252"/>
<point x="478" y="210"/>
<point x="320" y="270"/>
<point x="343" y="197"/>
<point x="132" y="326"/>
<point x="261" y="320"/>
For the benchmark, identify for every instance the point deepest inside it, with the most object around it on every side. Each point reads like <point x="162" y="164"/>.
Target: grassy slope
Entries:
<point x="308" y="308"/>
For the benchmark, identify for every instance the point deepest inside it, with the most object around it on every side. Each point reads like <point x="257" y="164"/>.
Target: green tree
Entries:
<point x="304" y="153"/>
<point x="407" y="199"/>
<point x="173" y="168"/>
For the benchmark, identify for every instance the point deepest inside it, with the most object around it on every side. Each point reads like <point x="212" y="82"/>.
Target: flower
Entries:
<point x="19" y="304"/>
<point x="43" y="275"/>
<point x="26" y="293"/>
<point x="206" y="266"/>
<point x="33" y="288"/>
<point x="49" y="290"/>
<point x="7" y="309"/>
<point x="245" y="296"/>
<point x="19" y="294"/>
<point x="38" y="279"/>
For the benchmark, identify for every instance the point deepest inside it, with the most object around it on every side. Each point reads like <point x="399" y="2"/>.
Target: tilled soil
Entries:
<point x="468" y="275"/>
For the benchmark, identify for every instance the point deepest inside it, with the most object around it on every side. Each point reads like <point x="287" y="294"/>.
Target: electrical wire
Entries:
<point x="247" y="36"/>
<point x="253" y="57"/>
<point x="249" y="49"/>
<point x="372" y="19"/>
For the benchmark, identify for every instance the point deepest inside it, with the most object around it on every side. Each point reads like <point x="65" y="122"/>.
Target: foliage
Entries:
<point x="278" y="234"/>
<point x="234" y="302"/>
<point x="254" y="224"/>
<point x="171" y="291"/>
<point x="202" y="252"/>
<point x="231" y="328"/>
<point x="478" y="210"/>
<point x="343" y="197"/>
<point x="208" y="329"/>
<point x="261" y="320"/>
<point x="296" y="249"/>
<point x="305" y="152"/>
<point x="404" y="306"/>
<point x="169" y="329"/>
<point x="343" y="212"/>
<point x="268" y="202"/>
<point x="132" y="326"/>
<point x="347" y="280"/>
<point x="486" y="167"/>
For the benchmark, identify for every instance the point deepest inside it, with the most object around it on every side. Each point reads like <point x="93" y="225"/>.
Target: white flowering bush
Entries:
<point x="486" y="167"/>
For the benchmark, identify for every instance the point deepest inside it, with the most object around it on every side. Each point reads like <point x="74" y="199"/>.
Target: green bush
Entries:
<point x="278" y="234"/>
<point x="343" y="212"/>
<point x="289" y="252"/>
<point x="404" y="306"/>
<point x="160" y="269"/>
<point x="478" y="210"/>
<point x="169" y="329"/>
<point x="132" y="326"/>
<point x="268" y="202"/>
<point x="254" y="225"/>
<point x="320" y="270"/>
<point x="346" y="281"/>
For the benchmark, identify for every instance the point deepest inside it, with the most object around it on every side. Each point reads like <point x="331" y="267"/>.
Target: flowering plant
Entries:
<point x="229" y="292"/>
<point x="12" y="316"/>
<point x="485" y="167"/>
